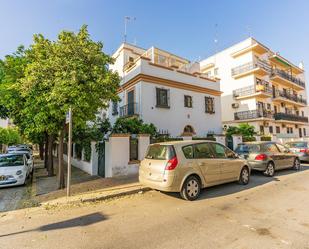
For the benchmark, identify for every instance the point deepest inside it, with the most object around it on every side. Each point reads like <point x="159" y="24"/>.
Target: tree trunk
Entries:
<point x="41" y="150"/>
<point x="61" y="182"/>
<point x="50" y="168"/>
<point x="46" y="151"/>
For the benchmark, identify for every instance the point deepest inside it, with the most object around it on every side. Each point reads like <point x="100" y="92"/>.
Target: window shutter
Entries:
<point x="158" y="96"/>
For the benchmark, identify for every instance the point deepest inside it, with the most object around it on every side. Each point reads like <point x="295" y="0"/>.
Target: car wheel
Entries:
<point x="244" y="176"/>
<point x="296" y="164"/>
<point x="191" y="188"/>
<point x="270" y="169"/>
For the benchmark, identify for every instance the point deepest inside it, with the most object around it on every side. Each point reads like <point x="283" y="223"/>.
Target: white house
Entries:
<point x="260" y="87"/>
<point x="166" y="90"/>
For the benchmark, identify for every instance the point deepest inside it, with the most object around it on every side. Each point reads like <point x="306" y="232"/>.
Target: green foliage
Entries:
<point x="245" y="130"/>
<point x="265" y="138"/>
<point x="248" y="139"/>
<point x="9" y="136"/>
<point x="133" y="126"/>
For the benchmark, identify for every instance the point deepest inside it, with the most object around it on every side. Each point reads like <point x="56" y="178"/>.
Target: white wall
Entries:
<point x="177" y="116"/>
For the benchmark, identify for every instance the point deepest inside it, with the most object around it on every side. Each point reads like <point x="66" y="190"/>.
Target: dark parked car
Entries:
<point x="300" y="148"/>
<point x="268" y="156"/>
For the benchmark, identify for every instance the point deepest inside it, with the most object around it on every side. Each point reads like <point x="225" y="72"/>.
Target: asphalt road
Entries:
<point x="12" y="198"/>
<point x="267" y="213"/>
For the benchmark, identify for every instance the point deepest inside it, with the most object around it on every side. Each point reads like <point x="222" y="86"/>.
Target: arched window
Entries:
<point x="188" y="129"/>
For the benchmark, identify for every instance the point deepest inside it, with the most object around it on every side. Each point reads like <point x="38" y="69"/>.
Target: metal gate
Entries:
<point x="101" y="159"/>
<point x="133" y="148"/>
<point x="229" y="142"/>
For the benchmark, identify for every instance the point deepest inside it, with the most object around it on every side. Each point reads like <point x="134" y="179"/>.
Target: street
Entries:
<point x="267" y="213"/>
<point x="12" y="198"/>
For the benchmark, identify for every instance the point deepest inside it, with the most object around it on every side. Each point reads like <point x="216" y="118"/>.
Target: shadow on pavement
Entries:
<point x="256" y="179"/>
<point x="81" y="221"/>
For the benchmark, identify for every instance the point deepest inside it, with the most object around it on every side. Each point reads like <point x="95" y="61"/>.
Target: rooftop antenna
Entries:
<point x="127" y="19"/>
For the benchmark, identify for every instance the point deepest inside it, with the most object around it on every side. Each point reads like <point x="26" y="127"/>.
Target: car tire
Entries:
<point x="270" y="169"/>
<point x="296" y="164"/>
<point x="244" y="176"/>
<point x="191" y="188"/>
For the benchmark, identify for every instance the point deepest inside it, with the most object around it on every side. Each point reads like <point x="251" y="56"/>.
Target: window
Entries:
<point x="216" y="71"/>
<point x="114" y="108"/>
<point x="270" y="148"/>
<point x="277" y="129"/>
<point x="209" y="105"/>
<point x="268" y="107"/>
<point x="162" y="98"/>
<point x="305" y="132"/>
<point x="188" y="129"/>
<point x="262" y="129"/>
<point x="302" y="113"/>
<point x="203" y="151"/>
<point x="208" y="74"/>
<point x="160" y="152"/>
<point x="221" y="151"/>
<point x="271" y="129"/>
<point x="282" y="148"/>
<point x="188" y="151"/>
<point x="188" y="101"/>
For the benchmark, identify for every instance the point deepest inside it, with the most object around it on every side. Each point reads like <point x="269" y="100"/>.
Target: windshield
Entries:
<point x="297" y="145"/>
<point x="11" y="160"/>
<point x="247" y="148"/>
<point x="160" y="152"/>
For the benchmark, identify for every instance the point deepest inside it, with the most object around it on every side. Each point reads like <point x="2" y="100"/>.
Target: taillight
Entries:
<point x="261" y="157"/>
<point x="304" y="150"/>
<point x="171" y="164"/>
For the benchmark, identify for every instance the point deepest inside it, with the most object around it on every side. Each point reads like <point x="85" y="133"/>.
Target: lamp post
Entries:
<point x="69" y="120"/>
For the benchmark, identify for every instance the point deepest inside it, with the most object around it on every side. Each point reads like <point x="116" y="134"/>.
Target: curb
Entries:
<point x="115" y="195"/>
<point x="99" y="197"/>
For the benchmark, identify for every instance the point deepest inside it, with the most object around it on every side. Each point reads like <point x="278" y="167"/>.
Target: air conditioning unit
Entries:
<point x="283" y="125"/>
<point x="266" y="124"/>
<point x="296" y="126"/>
<point x="235" y="105"/>
<point x="282" y="105"/>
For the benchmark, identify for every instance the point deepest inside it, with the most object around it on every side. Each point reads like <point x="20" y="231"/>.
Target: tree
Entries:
<point x="69" y="72"/>
<point x="243" y="129"/>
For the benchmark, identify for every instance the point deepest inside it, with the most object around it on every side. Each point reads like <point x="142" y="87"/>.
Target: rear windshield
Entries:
<point x="11" y="160"/>
<point x="247" y="148"/>
<point x="297" y="145"/>
<point x="160" y="152"/>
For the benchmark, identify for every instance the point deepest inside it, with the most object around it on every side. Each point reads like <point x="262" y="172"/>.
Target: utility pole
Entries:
<point x="69" y="152"/>
<point x="126" y="20"/>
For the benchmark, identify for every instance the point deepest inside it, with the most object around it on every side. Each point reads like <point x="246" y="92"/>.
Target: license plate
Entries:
<point x="2" y="178"/>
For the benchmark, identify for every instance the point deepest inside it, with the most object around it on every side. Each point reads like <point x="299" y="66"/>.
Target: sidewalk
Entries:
<point x="84" y="188"/>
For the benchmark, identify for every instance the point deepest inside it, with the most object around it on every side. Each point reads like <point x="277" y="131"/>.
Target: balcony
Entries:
<point x="282" y="77"/>
<point x="291" y="98"/>
<point x="253" y="114"/>
<point x="258" y="67"/>
<point x="290" y="117"/>
<point x="129" y="110"/>
<point x="262" y="91"/>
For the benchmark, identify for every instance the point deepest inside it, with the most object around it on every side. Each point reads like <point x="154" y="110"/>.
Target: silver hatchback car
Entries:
<point x="268" y="156"/>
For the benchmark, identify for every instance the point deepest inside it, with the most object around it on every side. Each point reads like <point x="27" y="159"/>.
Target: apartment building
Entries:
<point x="260" y="87"/>
<point x="166" y="90"/>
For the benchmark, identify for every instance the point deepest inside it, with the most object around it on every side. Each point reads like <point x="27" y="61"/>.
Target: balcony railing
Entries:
<point x="287" y="76"/>
<point x="250" y="90"/>
<point x="289" y="96"/>
<point x="290" y="117"/>
<point x="130" y="109"/>
<point x="250" y="66"/>
<point x="253" y="114"/>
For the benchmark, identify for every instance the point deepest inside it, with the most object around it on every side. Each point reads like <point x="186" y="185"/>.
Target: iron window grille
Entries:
<point x="209" y="105"/>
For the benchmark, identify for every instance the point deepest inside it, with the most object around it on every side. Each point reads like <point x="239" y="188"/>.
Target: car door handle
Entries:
<point x="201" y="164"/>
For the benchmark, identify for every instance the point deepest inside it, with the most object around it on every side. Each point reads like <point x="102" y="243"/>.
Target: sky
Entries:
<point x="186" y="28"/>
